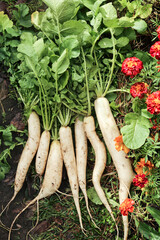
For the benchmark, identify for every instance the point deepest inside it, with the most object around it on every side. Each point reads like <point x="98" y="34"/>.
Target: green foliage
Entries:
<point x="145" y="229"/>
<point x="62" y="10"/>
<point x="136" y="130"/>
<point x="136" y="8"/>
<point x="7" y="144"/>
<point x="22" y="16"/>
<point x="9" y="39"/>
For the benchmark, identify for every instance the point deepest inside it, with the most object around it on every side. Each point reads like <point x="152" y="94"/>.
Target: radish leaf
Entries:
<point x="62" y="63"/>
<point x="62" y="10"/>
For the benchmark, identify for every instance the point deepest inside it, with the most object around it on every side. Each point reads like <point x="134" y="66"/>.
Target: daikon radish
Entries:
<point x="123" y="165"/>
<point x="42" y="153"/>
<point x="27" y="155"/>
<point x="52" y="178"/>
<point x="66" y="140"/>
<point x="100" y="162"/>
<point x="81" y="159"/>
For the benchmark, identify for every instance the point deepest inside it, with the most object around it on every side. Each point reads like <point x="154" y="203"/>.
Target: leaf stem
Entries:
<point x="97" y="38"/>
<point x="87" y="87"/>
<point x="45" y="117"/>
<point x="100" y="86"/>
<point x="113" y="64"/>
<point x="59" y="34"/>
<point x="118" y="90"/>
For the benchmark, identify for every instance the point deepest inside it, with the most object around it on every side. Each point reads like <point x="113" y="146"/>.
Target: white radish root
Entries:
<point x="123" y="166"/>
<point x="100" y="162"/>
<point x="52" y="178"/>
<point x="27" y="155"/>
<point x="81" y="159"/>
<point x="42" y="153"/>
<point x="66" y="140"/>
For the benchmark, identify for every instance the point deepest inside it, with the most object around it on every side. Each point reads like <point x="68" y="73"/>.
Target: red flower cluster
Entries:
<point x="158" y="32"/>
<point x="132" y="66"/>
<point x="138" y="89"/>
<point x="153" y="103"/>
<point x="155" y="50"/>
<point x="126" y="206"/>
<point x="140" y="180"/>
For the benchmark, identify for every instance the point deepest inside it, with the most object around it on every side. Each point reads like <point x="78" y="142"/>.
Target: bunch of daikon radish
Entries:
<point x="49" y="158"/>
<point x="49" y="155"/>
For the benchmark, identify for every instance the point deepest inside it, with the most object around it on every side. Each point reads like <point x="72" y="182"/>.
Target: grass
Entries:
<point x="60" y="217"/>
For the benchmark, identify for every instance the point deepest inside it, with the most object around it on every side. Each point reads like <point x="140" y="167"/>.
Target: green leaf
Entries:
<point x="144" y="11"/>
<point x="88" y="3"/>
<point x="105" y="43"/>
<point x="26" y="49"/>
<point x="49" y="27"/>
<point x="146" y="114"/>
<point x="140" y="26"/>
<point x="143" y="56"/>
<point x="134" y="135"/>
<point x="63" y="80"/>
<point x="148" y="232"/>
<point x="108" y="11"/>
<point x="92" y="195"/>
<point x="137" y="130"/>
<point x="37" y="18"/>
<point x="46" y="84"/>
<point x="111" y="23"/>
<point x="4" y="168"/>
<point x="63" y="10"/>
<point x="122" y="42"/>
<point x="62" y="63"/>
<point x="126" y="22"/>
<point x="39" y="47"/>
<point x="22" y="15"/>
<point x="5" y="22"/>
<point x="12" y="43"/>
<point x="72" y="27"/>
<point x="155" y="214"/>
<point x="96" y="5"/>
<point x="7" y="137"/>
<point x="14" y="32"/>
<point x="130" y="34"/>
<point x="72" y="44"/>
<point x="96" y="21"/>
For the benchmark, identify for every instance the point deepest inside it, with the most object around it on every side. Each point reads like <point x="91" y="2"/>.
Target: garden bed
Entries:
<point x="62" y="65"/>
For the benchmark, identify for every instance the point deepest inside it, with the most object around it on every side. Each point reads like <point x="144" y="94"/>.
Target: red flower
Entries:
<point x="132" y="66"/>
<point x="158" y="32"/>
<point x="119" y="145"/>
<point x="153" y="103"/>
<point x="142" y="164"/>
<point x="155" y="50"/>
<point x="139" y="89"/>
<point x="140" y="180"/>
<point x="126" y="206"/>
